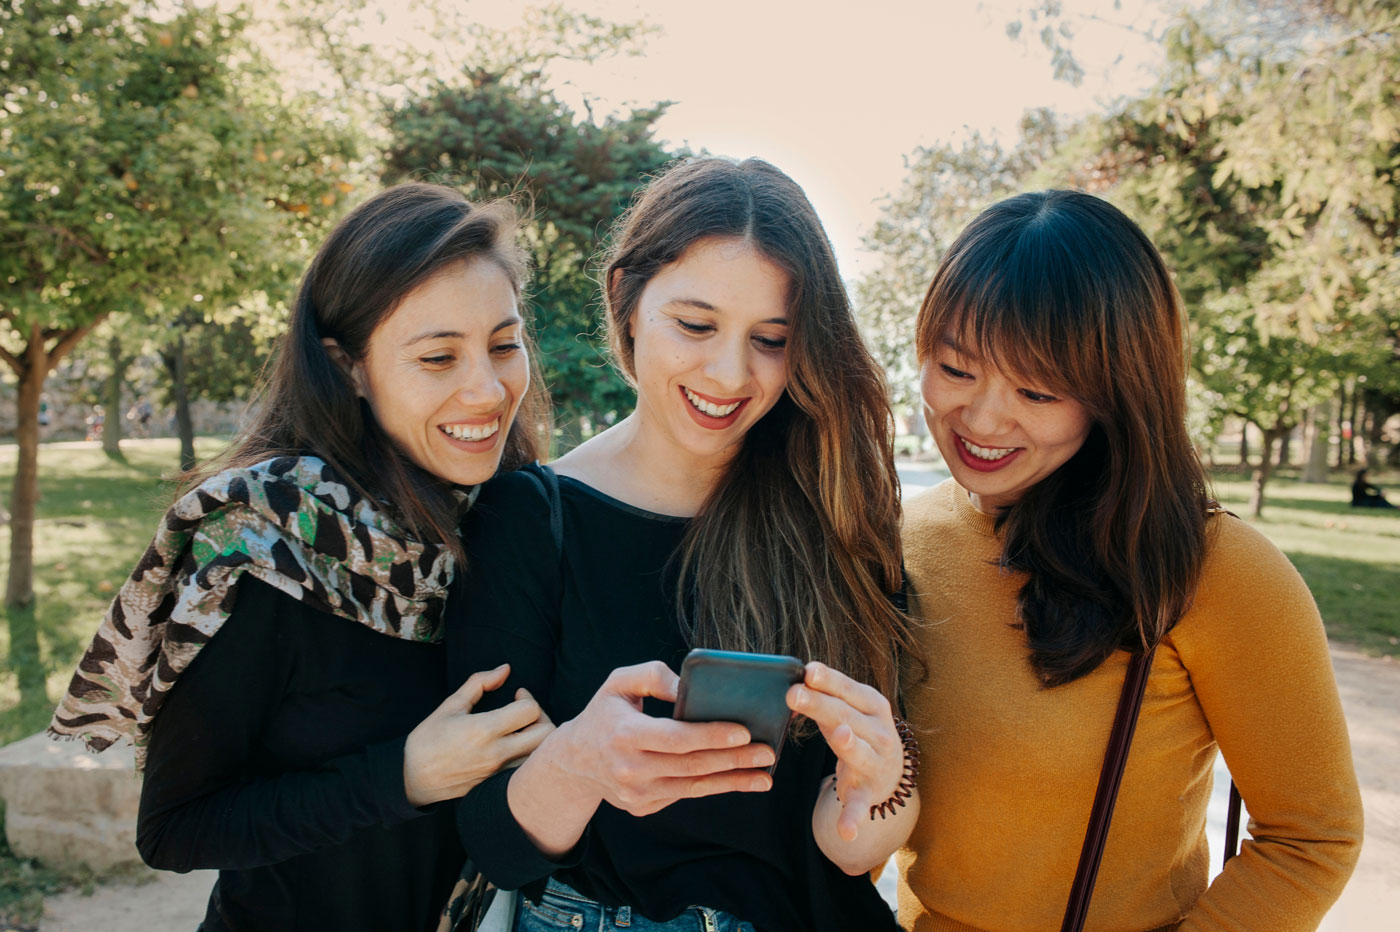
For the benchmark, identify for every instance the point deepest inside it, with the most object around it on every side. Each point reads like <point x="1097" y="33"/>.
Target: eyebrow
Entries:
<point x="700" y="305"/>
<point x="457" y="334"/>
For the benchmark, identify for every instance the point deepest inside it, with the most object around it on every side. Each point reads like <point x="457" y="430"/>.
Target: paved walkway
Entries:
<point x="1370" y="690"/>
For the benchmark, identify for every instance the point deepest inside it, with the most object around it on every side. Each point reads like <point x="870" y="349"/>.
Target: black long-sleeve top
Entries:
<point x="564" y="625"/>
<point x="278" y="759"/>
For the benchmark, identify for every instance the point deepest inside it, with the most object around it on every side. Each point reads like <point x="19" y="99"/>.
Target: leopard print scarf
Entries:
<point x="291" y="522"/>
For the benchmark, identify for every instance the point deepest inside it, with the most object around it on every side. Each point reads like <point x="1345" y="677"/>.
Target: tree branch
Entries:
<point x="13" y="361"/>
<point x="93" y="252"/>
<point x="70" y="339"/>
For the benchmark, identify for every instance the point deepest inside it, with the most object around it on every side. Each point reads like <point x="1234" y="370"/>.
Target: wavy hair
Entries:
<point x="796" y="550"/>
<point x="1062" y="289"/>
<point x="378" y="254"/>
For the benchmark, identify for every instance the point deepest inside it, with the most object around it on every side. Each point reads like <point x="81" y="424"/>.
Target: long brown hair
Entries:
<point x="796" y="550"/>
<point x="1062" y="289"/>
<point x="379" y="253"/>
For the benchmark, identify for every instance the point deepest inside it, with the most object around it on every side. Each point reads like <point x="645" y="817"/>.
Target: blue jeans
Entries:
<point x="562" y="907"/>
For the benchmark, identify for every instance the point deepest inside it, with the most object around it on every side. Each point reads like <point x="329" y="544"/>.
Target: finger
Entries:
<point x="730" y="781"/>
<point x="826" y="710"/>
<point x="653" y="679"/>
<point x="510" y="717"/>
<point x="521" y="744"/>
<point x="476" y="686"/>
<point x="856" y="754"/>
<point x="703" y="763"/>
<point x="865" y="698"/>
<point x="523" y="693"/>
<point x="668" y="736"/>
<point x="856" y="808"/>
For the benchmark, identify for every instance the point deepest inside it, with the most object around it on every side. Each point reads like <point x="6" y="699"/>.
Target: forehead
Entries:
<point x="725" y="275"/>
<point x="464" y="297"/>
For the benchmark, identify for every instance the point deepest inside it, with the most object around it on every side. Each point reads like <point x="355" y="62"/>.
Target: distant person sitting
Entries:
<point x="1366" y="495"/>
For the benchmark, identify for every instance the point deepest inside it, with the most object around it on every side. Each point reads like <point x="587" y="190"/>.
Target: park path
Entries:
<point x="1370" y="691"/>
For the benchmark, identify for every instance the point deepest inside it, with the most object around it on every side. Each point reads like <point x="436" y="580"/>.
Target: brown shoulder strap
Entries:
<point x="1120" y="739"/>
<point x="1115" y="759"/>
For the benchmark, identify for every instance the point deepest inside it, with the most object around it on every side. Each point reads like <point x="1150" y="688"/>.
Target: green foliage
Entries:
<point x="498" y="135"/>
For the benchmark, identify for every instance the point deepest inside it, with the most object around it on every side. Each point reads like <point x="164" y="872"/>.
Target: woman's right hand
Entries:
<point x="614" y="752"/>
<point x="454" y="748"/>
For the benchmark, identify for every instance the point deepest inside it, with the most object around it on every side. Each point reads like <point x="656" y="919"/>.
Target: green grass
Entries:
<point x="95" y="517"/>
<point x="1350" y="557"/>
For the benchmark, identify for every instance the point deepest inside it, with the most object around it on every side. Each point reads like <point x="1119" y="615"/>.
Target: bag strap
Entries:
<point x="1115" y="759"/>
<point x="548" y="482"/>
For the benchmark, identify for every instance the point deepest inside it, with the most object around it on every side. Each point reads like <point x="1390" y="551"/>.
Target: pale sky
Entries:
<point x="838" y="94"/>
<point x="835" y="94"/>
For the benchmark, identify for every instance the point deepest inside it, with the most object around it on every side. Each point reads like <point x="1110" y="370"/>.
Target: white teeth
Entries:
<point x="471" y="431"/>
<point x="712" y="410"/>
<point x="988" y="453"/>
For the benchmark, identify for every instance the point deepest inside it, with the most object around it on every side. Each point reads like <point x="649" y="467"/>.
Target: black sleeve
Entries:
<point x="505" y="609"/>
<point x="203" y="805"/>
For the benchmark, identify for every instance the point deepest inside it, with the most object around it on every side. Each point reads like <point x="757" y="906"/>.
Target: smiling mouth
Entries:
<point x="470" y="433"/>
<point x="988" y="454"/>
<point x="710" y="408"/>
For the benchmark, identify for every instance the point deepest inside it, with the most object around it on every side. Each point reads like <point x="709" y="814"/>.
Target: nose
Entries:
<point x="481" y="387"/>
<point x="987" y="412"/>
<point x="728" y="366"/>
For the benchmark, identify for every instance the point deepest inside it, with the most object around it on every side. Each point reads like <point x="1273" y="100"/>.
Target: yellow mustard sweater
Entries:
<point x="1009" y="768"/>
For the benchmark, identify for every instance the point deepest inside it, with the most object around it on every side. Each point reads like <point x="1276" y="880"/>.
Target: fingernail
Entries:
<point x="737" y="738"/>
<point x="758" y="784"/>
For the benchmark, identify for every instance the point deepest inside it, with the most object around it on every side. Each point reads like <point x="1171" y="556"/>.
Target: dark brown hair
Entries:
<point x="379" y="253"/>
<point x="796" y="550"/>
<point x="1062" y="289"/>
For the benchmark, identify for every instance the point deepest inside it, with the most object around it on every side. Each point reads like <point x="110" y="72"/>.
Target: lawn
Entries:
<point x="95" y="518"/>
<point x="1350" y="557"/>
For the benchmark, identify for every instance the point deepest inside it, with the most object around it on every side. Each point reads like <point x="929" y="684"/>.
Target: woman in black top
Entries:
<point x="749" y="503"/>
<point x="275" y="656"/>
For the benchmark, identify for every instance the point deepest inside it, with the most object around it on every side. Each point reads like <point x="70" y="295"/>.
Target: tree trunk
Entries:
<point x="1264" y="470"/>
<point x="1341" y="412"/>
<point x="1375" y="429"/>
<point x="1244" y="444"/>
<point x="1321" y="419"/>
<point x="25" y="659"/>
<point x="184" y="422"/>
<point x="1285" y="448"/>
<point x="112" y="401"/>
<point x="1355" y="424"/>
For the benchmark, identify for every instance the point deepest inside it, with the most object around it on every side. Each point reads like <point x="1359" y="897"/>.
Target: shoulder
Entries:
<point x="520" y="494"/>
<point x="929" y="508"/>
<point x="1247" y="588"/>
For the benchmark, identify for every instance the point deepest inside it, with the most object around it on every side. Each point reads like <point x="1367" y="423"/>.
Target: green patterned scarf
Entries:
<point x="291" y="522"/>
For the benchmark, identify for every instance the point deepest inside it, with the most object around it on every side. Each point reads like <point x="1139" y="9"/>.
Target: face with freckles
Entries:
<point x="709" y="337"/>
<point x="445" y="372"/>
<point x="1000" y="434"/>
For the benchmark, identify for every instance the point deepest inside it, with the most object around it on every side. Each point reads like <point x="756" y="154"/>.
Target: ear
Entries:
<point x="351" y="367"/>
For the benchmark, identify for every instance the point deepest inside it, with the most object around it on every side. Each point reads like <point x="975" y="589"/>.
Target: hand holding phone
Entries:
<point x="731" y="686"/>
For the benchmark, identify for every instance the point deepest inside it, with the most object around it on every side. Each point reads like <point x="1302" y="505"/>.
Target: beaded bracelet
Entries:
<point x="905" y="789"/>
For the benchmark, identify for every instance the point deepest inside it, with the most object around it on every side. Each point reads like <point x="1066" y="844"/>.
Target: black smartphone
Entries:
<point x="732" y="686"/>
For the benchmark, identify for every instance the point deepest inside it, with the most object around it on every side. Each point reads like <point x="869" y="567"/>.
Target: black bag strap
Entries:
<point x="548" y="482"/>
<point x="1115" y="760"/>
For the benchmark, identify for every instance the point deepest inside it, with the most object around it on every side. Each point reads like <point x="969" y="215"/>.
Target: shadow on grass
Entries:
<point x="1359" y="601"/>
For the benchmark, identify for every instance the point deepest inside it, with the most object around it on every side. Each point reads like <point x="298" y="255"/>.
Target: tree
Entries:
<point x="144" y="165"/>
<point x="500" y="134"/>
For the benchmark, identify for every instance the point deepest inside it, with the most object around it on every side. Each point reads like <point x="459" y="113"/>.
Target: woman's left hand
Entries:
<point x="858" y="725"/>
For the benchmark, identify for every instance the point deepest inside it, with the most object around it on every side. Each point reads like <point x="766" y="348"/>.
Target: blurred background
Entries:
<point x="167" y="169"/>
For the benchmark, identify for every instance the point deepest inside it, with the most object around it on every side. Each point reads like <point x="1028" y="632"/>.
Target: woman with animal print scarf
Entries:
<point x="275" y="656"/>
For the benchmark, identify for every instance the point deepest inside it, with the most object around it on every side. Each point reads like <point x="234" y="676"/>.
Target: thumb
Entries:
<point x="477" y="685"/>
<point x="653" y="679"/>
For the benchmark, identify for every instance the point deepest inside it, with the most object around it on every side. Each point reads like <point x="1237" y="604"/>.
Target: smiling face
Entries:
<point x="445" y="372"/>
<point x="999" y="434"/>
<point x="708" y="346"/>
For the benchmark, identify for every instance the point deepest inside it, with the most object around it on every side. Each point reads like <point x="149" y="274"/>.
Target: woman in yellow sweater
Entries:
<point x="1075" y="531"/>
